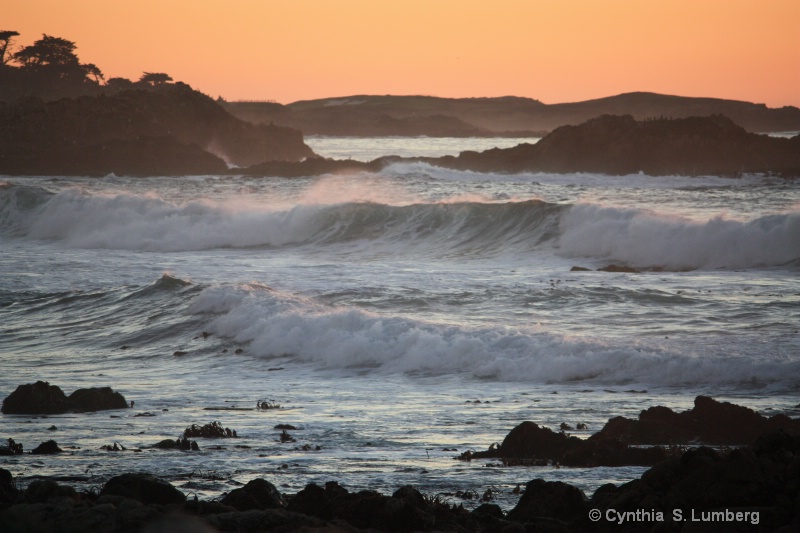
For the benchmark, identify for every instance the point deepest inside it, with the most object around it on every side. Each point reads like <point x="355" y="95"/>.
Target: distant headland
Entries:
<point x="372" y="116"/>
<point x="61" y="117"/>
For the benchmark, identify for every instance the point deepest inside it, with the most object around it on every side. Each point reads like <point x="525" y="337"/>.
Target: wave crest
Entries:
<point x="276" y="324"/>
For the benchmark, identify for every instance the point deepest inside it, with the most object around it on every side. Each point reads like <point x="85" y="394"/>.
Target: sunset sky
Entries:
<point x="551" y="50"/>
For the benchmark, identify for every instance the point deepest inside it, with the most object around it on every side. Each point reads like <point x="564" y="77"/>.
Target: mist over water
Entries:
<point x="374" y="307"/>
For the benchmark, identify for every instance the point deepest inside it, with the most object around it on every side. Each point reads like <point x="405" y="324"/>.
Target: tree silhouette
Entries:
<point x="48" y="52"/>
<point x="91" y="70"/>
<point x="49" y="68"/>
<point x="5" y="41"/>
<point x="155" y="78"/>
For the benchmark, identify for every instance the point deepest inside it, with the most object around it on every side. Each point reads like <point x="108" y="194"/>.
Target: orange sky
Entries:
<point x="551" y="50"/>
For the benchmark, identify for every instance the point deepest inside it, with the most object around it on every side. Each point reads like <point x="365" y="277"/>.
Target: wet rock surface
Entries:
<point x="45" y="399"/>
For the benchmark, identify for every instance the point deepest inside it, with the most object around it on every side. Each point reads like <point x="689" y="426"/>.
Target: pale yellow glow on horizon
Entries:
<point x="554" y="51"/>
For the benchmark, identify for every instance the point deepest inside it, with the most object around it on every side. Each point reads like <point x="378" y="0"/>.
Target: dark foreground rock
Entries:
<point x="144" y="488"/>
<point x="756" y="488"/>
<point x="41" y="398"/>
<point x="622" y="440"/>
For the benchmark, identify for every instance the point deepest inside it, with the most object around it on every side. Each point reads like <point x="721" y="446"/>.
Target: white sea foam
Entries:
<point x="464" y="225"/>
<point x="643" y="238"/>
<point x="275" y="324"/>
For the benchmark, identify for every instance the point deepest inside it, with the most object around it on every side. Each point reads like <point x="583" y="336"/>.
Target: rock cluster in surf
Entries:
<point x="45" y="399"/>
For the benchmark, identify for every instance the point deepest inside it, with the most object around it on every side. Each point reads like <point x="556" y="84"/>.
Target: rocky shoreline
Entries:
<point x="611" y="144"/>
<point x="750" y="479"/>
<point x="173" y="130"/>
<point x="754" y="488"/>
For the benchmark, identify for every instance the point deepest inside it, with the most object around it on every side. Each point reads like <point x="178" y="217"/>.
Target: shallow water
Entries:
<point x="378" y="309"/>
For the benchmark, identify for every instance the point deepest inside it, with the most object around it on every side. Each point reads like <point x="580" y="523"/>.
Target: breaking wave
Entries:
<point x="636" y="237"/>
<point x="279" y="325"/>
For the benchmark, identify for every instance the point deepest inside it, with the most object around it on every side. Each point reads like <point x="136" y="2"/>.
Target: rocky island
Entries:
<point x="165" y="130"/>
<point x="619" y="145"/>
<point x="611" y="144"/>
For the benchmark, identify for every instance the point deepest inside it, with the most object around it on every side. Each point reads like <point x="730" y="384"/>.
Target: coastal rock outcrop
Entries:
<point x="162" y="131"/>
<point x="616" y="145"/>
<point x="41" y="398"/>
<point x="753" y="488"/>
<point x="529" y="443"/>
<point x="762" y="481"/>
<point x="708" y="422"/>
<point x="144" y="488"/>
<point x="620" y="145"/>
<point x="256" y="494"/>
<point x="96" y="399"/>
<point x="38" y="398"/>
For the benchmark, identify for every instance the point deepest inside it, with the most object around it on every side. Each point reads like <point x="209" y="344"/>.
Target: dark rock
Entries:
<point x="612" y="452"/>
<point x="257" y="494"/>
<point x="285" y="437"/>
<point x="43" y="398"/>
<point x="145" y="488"/>
<point x="619" y="145"/>
<point x="410" y="495"/>
<point x="580" y="269"/>
<point x="13" y="448"/>
<point x="268" y="520"/>
<point x="163" y="131"/>
<point x="530" y="444"/>
<point x="8" y="489"/>
<point x="550" y="499"/>
<point x="180" y="443"/>
<point x="213" y="430"/>
<point x="365" y="509"/>
<point x="764" y="478"/>
<point x="709" y="422"/>
<point x="43" y="491"/>
<point x="529" y="441"/>
<point x="36" y="398"/>
<point x="96" y="399"/>
<point x="489" y="509"/>
<point x="618" y="268"/>
<point x="47" y="448"/>
<point x="314" y="166"/>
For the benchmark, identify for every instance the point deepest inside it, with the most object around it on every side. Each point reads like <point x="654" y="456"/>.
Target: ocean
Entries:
<point x="397" y="319"/>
